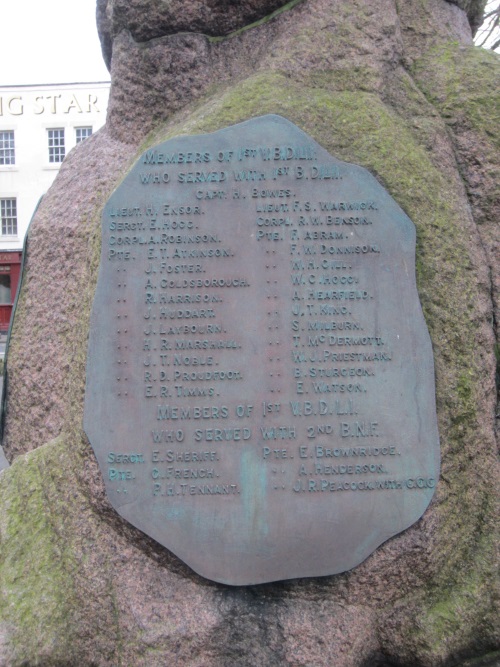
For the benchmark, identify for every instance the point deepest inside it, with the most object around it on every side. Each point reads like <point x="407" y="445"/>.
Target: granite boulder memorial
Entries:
<point x="387" y="93"/>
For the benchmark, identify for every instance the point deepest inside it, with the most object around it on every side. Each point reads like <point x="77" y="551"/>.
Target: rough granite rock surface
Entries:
<point x="394" y="86"/>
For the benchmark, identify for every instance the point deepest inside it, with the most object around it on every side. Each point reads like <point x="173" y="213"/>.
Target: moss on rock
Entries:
<point x="464" y="84"/>
<point x="38" y="598"/>
<point x="79" y="586"/>
<point x="359" y="127"/>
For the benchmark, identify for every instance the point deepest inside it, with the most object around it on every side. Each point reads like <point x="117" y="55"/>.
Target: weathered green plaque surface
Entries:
<point x="260" y="384"/>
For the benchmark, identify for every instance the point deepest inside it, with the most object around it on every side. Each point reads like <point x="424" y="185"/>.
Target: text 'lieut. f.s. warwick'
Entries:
<point x="260" y="384"/>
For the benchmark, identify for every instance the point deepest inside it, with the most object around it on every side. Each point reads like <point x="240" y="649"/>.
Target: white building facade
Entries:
<point x="39" y="125"/>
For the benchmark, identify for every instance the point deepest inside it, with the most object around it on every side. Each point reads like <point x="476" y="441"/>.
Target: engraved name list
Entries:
<point x="260" y="389"/>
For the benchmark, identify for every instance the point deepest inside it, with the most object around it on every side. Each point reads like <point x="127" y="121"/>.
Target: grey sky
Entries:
<point x="54" y="41"/>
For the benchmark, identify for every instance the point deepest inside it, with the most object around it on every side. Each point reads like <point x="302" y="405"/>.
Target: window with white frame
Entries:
<point x="7" y="147"/>
<point x="5" y="293"/>
<point x="57" y="148"/>
<point x="82" y="133"/>
<point x="8" y="215"/>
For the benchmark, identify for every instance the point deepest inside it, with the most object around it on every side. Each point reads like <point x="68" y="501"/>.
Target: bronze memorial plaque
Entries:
<point x="260" y="383"/>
